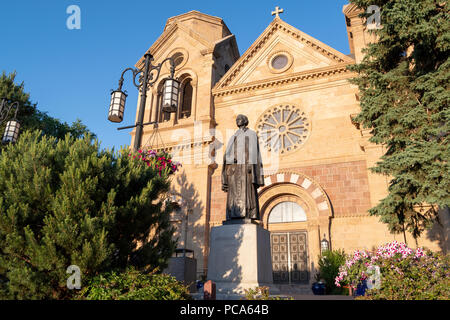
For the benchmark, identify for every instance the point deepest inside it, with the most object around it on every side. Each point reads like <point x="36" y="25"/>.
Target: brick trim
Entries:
<point x="305" y="182"/>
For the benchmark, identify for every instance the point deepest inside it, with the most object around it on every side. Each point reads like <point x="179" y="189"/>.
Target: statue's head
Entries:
<point x="241" y="121"/>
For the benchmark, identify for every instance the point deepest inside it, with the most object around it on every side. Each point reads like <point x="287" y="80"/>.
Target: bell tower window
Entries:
<point x="186" y="99"/>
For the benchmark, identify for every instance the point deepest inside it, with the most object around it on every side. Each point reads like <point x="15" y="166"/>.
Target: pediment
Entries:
<point x="170" y="36"/>
<point x="304" y="53"/>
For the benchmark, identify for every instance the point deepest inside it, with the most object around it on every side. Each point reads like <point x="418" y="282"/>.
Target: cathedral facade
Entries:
<point x="295" y="92"/>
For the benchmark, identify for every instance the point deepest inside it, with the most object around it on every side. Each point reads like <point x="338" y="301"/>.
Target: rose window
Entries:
<point x="283" y="128"/>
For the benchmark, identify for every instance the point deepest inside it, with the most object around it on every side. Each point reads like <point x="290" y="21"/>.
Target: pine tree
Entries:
<point x="404" y="86"/>
<point x="30" y="117"/>
<point x="65" y="202"/>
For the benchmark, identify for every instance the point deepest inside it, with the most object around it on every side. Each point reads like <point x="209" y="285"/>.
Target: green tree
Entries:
<point x="65" y="202"/>
<point x="30" y="117"/>
<point x="404" y="87"/>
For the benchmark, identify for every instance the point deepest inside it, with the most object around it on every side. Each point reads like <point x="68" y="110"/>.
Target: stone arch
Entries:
<point x="305" y="185"/>
<point x="182" y="76"/>
<point x="280" y="194"/>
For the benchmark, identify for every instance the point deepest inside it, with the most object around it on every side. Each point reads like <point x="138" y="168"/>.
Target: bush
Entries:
<point x="406" y="274"/>
<point x="65" y="202"/>
<point x="262" y="293"/>
<point x="134" y="285"/>
<point x="329" y="263"/>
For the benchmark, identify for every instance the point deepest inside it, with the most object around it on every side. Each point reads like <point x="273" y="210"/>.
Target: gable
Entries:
<point x="172" y="36"/>
<point x="302" y="51"/>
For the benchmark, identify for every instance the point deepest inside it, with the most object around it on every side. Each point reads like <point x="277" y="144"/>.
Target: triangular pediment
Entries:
<point x="303" y="52"/>
<point x="170" y="36"/>
<point x="201" y="30"/>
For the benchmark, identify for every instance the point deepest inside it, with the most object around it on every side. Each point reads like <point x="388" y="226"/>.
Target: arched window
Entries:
<point x="186" y="99"/>
<point x="287" y="211"/>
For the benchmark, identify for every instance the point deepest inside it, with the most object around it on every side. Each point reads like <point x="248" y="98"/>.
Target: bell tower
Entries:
<point x="357" y="30"/>
<point x="203" y="50"/>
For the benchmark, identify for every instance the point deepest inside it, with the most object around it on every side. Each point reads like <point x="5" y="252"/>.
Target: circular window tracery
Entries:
<point x="180" y="56"/>
<point x="283" y="128"/>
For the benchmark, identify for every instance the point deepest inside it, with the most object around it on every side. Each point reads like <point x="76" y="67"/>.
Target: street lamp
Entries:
<point x="148" y="75"/>
<point x="12" y="126"/>
<point x="324" y="244"/>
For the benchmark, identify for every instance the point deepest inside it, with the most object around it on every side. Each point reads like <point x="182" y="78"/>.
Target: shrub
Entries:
<point x="262" y="293"/>
<point x="329" y="263"/>
<point x="65" y="202"/>
<point x="134" y="285"/>
<point x="406" y="274"/>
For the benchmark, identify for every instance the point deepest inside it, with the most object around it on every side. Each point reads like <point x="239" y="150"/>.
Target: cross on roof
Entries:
<point x="277" y="12"/>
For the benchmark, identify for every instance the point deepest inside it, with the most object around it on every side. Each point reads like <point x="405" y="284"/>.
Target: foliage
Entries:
<point x="134" y="285"/>
<point x="30" y="117"/>
<point x="403" y="82"/>
<point x="329" y="263"/>
<point x="406" y="274"/>
<point x="262" y="293"/>
<point x="65" y="202"/>
<point x="427" y="278"/>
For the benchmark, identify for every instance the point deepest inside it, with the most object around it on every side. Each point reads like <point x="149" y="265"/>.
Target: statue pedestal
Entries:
<point x="239" y="258"/>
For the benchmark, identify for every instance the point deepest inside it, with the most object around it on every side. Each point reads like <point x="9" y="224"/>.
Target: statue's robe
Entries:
<point x="242" y="173"/>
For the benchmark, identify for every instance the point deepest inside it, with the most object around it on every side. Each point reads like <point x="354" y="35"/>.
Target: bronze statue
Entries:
<point x="242" y="173"/>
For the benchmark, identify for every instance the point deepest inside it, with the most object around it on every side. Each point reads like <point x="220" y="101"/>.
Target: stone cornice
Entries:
<point x="351" y="10"/>
<point x="196" y="15"/>
<point x="184" y="144"/>
<point x="284" y="80"/>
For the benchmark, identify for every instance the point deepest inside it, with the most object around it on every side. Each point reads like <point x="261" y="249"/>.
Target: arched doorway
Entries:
<point x="288" y="248"/>
<point x="296" y="211"/>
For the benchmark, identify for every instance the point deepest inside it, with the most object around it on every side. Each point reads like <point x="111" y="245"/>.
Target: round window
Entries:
<point x="178" y="58"/>
<point x="279" y="62"/>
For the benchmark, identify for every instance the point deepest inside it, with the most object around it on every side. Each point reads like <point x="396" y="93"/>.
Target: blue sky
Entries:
<point x="70" y="73"/>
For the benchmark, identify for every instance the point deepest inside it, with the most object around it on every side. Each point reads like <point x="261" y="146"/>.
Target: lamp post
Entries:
<point x="148" y="75"/>
<point x="12" y="126"/>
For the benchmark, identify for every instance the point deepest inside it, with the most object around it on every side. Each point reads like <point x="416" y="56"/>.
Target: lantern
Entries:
<point x="170" y="95"/>
<point x="117" y="106"/>
<point x="324" y="245"/>
<point x="11" y="131"/>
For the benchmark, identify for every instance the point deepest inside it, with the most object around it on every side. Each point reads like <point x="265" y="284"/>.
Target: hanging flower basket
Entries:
<point x="161" y="161"/>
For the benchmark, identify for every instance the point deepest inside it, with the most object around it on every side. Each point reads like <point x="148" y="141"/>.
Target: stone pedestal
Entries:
<point x="239" y="258"/>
